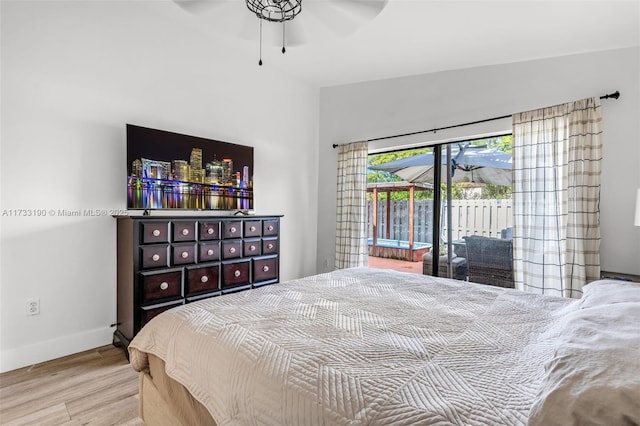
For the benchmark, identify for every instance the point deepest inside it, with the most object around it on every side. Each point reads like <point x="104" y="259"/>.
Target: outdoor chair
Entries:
<point x="490" y="260"/>
<point x="458" y="266"/>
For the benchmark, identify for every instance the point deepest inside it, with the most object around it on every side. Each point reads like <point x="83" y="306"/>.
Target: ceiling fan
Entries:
<point x="340" y="17"/>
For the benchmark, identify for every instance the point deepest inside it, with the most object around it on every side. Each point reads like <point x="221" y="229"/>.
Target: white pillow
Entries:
<point x="605" y="292"/>
<point x="593" y="377"/>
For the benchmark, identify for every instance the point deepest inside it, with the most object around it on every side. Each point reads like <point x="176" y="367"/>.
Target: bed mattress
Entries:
<point x="359" y="346"/>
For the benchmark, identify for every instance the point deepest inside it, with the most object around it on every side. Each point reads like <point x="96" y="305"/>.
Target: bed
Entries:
<point x="366" y="346"/>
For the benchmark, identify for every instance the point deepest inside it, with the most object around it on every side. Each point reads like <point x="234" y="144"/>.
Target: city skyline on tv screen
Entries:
<point x="168" y="170"/>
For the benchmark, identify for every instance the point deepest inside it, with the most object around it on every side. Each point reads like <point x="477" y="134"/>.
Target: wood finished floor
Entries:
<point x="96" y="387"/>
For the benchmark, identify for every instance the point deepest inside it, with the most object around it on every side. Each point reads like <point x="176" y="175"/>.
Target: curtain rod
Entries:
<point x="614" y="95"/>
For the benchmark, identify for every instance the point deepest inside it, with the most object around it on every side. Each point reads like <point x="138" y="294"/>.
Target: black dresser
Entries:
<point x="165" y="261"/>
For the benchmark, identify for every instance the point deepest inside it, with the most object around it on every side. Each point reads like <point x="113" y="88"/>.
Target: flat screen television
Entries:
<point x="167" y="170"/>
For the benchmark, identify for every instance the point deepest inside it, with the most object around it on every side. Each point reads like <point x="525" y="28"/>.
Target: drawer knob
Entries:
<point x="156" y="232"/>
<point x="270" y="227"/>
<point x="270" y="246"/>
<point x="252" y="248"/>
<point x="232" y="250"/>
<point x="185" y="254"/>
<point x="155" y="257"/>
<point x="253" y="228"/>
<point x="265" y="268"/>
<point x="164" y="286"/>
<point x="185" y="231"/>
<point x="210" y="252"/>
<point x="209" y="231"/>
<point x="204" y="279"/>
<point x="232" y="229"/>
<point x="237" y="273"/>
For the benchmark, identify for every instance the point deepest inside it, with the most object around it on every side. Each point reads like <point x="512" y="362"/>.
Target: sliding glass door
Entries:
<point x="448" y="200"/>
<point x="477" y="217"/>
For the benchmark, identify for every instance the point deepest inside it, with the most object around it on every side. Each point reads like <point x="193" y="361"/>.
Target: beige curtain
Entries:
<point x="556" y="192"/>
<point x="351" y="219"/>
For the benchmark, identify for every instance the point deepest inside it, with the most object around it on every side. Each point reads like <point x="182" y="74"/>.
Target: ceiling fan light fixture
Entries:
<point x="275" y="10"/>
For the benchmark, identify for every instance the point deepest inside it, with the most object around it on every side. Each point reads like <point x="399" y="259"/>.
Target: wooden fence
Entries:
<point x="469" y="217"/>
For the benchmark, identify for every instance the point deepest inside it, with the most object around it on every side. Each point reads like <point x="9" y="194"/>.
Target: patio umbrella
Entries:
<point x="468" y="163"/>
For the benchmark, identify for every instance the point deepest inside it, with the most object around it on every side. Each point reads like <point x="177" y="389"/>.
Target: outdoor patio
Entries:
<point x="475" y="215"/>
<point x="397" y="265"/>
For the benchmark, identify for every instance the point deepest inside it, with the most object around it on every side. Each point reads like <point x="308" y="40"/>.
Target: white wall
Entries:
<point x="73" y="74"/>
<point x="397" y="106"/>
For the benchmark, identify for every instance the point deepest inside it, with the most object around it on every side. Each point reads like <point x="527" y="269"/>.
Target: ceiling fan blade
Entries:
<point x="197" y="6"/>
<point x="366" y="9"/>
<point x="330" y="16"/>
<point x="318" y="19"/>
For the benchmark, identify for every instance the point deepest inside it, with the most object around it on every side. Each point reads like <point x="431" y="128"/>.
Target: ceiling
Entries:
<point x="330" y="44"/>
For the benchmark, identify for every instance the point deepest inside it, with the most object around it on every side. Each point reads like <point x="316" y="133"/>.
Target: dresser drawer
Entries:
<point x="232" y="229"/>
<point x="149" y="312"/>
<point x="201" y="279"/>
<point x="209" y="251"/>
<point x="154" y="256"/>
<point x="154" y="232"/>
<point x="252" y="247"/>
<point x="231" y="249"/>
<point x="209" y="231"/>
<point x="270" y="228"/>
<point x="235" y="274"/>
<point x="270" y="246"/>
<point x="183" y="254"/>
<point x="265" y="269"/>
<point x="252" y="228"/>
<point x="156" y="286"/>
<point x="184" y="231"/>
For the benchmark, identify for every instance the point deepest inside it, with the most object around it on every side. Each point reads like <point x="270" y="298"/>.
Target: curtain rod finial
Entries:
<point x="614" y="95"/>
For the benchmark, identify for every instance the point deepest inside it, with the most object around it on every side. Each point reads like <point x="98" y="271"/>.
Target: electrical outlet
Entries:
<point x="33" y="306"/>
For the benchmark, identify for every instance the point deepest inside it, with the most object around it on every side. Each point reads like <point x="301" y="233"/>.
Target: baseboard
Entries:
<point x="24" y="356"/>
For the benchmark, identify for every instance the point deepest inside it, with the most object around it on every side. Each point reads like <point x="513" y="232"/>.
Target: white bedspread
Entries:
<point x="359" y="347"/>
